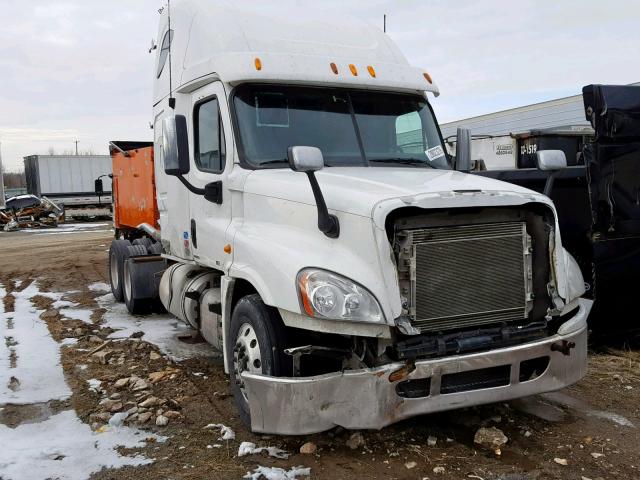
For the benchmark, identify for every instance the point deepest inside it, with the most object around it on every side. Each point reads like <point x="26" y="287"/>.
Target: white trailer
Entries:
<point x="496" y="153"/>
<point x="69" y="179"/>
<point x="347" y="272"/>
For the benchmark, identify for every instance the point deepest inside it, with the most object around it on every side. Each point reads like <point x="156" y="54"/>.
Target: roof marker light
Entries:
<point x="258" y="64"/>
<point x="353" y="69"/>
<point x="334" y="68"/>
<point x="427" y="77"/>
<point x="371" y="71"/>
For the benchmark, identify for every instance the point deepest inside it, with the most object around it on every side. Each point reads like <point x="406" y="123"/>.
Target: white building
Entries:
<point x="538" y="116"/>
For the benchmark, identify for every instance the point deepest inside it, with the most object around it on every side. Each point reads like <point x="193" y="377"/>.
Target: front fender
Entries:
<point x="277" y="238"/>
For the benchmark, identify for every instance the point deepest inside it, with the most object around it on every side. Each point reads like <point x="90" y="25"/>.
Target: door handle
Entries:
<point x="194" y="234"/>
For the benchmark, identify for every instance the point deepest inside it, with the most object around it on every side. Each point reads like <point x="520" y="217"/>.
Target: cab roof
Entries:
<point x="222" y="40"/>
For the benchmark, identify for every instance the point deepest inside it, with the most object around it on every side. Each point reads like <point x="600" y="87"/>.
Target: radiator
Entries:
<point x="468" y="275"/>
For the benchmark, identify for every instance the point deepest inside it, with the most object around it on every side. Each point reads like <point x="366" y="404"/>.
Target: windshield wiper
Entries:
<point x="402" y="161"/>
<point x="273" y="162"/>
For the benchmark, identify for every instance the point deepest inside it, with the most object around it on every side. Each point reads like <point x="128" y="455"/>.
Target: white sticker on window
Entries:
<point x="435" y="152"/>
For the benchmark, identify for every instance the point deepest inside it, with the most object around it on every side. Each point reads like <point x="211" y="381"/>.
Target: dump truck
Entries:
<point x="350" y="275"/>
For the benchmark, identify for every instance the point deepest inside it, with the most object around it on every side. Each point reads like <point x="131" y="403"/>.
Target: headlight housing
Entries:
<point x="328" y="295"/>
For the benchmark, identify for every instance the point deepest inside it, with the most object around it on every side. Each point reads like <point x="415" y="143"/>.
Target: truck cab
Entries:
<point x="314" y="229"/>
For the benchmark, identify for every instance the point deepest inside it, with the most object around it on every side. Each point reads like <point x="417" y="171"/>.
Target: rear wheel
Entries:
<point x="116" y="258"/>
<point x="146" y="242"/>
<point x="133" y="282"/>
<point x="255" y="344"/>
<point x="156" y="249"/>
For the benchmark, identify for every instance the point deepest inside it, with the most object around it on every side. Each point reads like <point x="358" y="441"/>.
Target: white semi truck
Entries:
<point x="350" y="276"/>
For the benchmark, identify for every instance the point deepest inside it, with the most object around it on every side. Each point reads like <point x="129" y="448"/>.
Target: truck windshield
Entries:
<point x="351" y="127"/>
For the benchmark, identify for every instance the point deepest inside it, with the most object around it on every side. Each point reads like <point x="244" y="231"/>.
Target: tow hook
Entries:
<point x="563" y="347"/>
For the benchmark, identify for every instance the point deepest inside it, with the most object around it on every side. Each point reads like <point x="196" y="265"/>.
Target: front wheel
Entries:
<point x="255" y="344"/>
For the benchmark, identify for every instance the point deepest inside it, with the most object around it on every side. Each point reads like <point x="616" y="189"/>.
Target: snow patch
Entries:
<point x="226" y="432"/>
<point x="274" y="473"/>
<point x="100" y="287"/>
<point x="82" y="314"/>
<point x="117" y="419"/>
<point x="62" y="447"/>
<point x="95" y="385"/>
<point x="249" y="448"/>
<point x="30" y="369"/>
<point x="160" y="330"/>
<point x="68" y="341"/>
<point x="68" y="228"/>
<point x="63" y="304"/>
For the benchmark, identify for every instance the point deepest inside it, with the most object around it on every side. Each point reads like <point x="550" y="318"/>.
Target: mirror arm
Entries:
<point x="548" y="186"/>
<point x="327" y="223"/>
<point x="191" y="188"/>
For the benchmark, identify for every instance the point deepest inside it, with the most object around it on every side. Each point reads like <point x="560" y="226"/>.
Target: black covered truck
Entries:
<point x="597" y="196"/>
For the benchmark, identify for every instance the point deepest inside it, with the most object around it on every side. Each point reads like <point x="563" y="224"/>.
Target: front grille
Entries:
<point x="469" y="275"/>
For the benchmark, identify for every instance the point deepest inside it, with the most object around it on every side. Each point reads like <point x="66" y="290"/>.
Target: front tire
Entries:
<point x="255" y="343"/>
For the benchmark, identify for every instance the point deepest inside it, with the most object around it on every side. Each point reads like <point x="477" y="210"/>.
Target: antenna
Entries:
<point x="172" y="101"/>
<point x="384" y="23"/>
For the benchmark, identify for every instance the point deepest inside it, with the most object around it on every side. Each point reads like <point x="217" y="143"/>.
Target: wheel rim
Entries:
<point x="246" y="354"/>
<point x="126" y="282"/>
<point x="113" y="267"/>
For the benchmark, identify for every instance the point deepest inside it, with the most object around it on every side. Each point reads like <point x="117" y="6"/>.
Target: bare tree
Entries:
<point x="15" y="180"/>
<point x="51" y="151"/>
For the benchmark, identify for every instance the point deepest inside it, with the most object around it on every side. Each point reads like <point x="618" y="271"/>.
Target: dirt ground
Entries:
<point x="588" y="431"/>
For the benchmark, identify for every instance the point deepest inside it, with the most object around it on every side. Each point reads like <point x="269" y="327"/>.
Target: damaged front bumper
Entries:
<point x="376" y="397"/>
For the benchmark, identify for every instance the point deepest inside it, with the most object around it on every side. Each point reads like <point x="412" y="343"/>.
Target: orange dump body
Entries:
<point x="134" y="187"/>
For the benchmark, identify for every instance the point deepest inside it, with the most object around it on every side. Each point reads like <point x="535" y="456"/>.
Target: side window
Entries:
<point x="409" y="133"/>
<point x="210" y="146"/>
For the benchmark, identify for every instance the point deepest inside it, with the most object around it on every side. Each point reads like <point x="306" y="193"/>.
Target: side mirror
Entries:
<point x="309" y="160"/>
<point x="305" y="159"/>
<point x="551" y="160"/>
<point x="175" y="145"/>
<point x="463" y="150"/>
<point x="99" y="188"/>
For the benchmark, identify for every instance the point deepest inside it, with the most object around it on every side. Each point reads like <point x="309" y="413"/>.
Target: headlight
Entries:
<point x="327" y="295"/>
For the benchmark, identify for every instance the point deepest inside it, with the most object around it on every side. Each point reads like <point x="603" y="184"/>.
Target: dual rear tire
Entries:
<point x="134" y="283"/>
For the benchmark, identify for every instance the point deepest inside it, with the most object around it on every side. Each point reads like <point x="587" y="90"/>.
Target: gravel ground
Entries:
<point x="588" y="431"/>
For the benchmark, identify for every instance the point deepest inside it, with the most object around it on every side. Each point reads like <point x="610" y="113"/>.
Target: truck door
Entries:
<point x="212" y="155"/>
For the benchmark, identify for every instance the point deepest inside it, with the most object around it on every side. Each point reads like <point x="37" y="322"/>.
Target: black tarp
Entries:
<point x="614" y="187"/>
<point x="613" y="175"/>
<point x="613" y="110"/>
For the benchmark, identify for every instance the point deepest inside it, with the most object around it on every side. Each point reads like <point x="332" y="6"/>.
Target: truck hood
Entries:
<point x="359" y="190"/>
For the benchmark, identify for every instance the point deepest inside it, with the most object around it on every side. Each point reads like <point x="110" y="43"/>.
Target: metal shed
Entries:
<point x="538" y="116"/>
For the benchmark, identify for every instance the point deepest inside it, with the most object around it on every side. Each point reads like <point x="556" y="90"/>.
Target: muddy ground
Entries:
<point x="588" y="431"/>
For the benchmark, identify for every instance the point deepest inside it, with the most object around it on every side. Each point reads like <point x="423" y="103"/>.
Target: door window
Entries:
<point x="210" y="146"/>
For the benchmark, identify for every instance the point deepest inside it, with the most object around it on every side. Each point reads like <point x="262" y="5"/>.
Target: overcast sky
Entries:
<point x="79" y="69"/>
